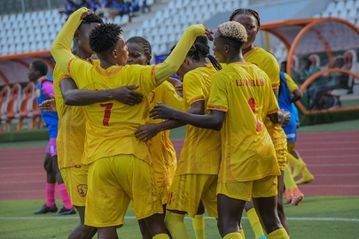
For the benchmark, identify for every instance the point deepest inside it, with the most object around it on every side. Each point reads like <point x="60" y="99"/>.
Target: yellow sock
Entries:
<point x="198" y="226"/>
<point x="242" y="233"/>
<point x="288" y="178"/>
<point x="298" y="164"/>
<point x="255" y="223"/>
<point x="175" y="225"/>
<point x="278" y="234"/>
<point x="233" y="235"/>
<point x="161" y="236"/>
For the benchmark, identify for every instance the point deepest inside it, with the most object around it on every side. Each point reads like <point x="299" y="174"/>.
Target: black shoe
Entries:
<point x="45" y="209"/>
<point x="65" y="211"/>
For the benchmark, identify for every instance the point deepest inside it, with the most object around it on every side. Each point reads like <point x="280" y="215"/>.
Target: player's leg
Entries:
<point x="106" y="177"/>
<point x="292" y="193"/>
<point x="229" y="214"/>
<point x="254" y="221"/>
<point x="280" y="201"/>
<point x="50" y="205"/>
<point x="183" y="198"/>
<point x="307" y="176"/>
<point x="265" y="202"/>
<point x="198" y="222"/>
<point x="147" y="203"/>
<point x="82" y="231"/>
<point x="75" y="179"/>
<point x="67" y="208"/>
<point x="209" y="202"/>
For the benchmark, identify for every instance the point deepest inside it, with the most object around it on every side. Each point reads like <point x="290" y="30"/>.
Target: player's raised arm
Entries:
<point x="61" y="48"/>
<point x="173" y="62"/>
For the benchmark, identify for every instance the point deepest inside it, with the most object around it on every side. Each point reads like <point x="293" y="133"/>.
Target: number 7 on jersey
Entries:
<point x="107" y="114"/>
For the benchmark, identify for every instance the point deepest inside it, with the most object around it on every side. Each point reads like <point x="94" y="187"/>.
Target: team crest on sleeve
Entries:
<point x="82" y="189"/>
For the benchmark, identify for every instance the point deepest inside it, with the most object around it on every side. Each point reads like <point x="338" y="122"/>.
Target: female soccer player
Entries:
<point x="119" y="164"/>
<point x="196" y="175"/>
<point x="45" y="90"/>
<point x="267" y="62"/>
<point x="162" y="151"/>
<point x="71" y="131"/>
<point x="240" y="98"/>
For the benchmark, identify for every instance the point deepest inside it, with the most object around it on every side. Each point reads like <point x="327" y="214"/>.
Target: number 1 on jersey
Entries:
<point x="107" y="114"/>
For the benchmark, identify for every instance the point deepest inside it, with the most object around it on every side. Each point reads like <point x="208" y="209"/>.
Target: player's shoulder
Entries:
<point x="265" y="53"/>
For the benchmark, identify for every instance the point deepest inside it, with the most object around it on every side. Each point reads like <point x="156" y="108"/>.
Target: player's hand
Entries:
<point x="85" y="14"/>
<point x="283" y="117"/>
<point x="127" y="95"/>
<point x="161" y="111"/>
<point x="147" y="132"/>
<point x="48" y="105"/>
<point x="297" y="95"/>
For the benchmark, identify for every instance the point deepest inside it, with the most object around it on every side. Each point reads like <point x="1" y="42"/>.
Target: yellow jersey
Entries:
<point x="71" y="127"/>
<point x="111" y="126"/>
<point x="268" y="63"/>
<point x="244" y="92"/>
<point x="162" y="151"/>
<point x="201" y="148"/>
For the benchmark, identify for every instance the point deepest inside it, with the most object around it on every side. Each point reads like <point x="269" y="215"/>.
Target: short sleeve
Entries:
<point x="170" y="96"/>
<point x="291" y="83"/>
<point x="192" y="88"/>
<point x="218" y="95"/>
<point x="79" y="70"/>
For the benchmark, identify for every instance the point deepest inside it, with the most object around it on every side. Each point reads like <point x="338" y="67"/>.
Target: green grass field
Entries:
<point x="315" y="218"/>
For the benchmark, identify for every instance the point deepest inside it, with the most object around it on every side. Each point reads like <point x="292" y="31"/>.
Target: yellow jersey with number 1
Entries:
<point x="244" y="92"/>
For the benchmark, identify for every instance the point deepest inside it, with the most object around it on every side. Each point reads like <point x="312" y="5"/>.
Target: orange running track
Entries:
<point x="332" y="157"/>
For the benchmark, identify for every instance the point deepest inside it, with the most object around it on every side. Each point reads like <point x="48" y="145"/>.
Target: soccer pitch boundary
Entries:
<point x="320" y="219"/>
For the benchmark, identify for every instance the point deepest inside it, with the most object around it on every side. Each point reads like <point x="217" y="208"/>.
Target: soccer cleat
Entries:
<point x="65" y="211"/>
<point x="45" y="209"/>
<point x="262" y="237"/>
<point x="297" y="197"/>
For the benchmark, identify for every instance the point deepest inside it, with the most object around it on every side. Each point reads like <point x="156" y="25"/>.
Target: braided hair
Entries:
<point x="246" y="11"/>
<point x="200" y="49"/>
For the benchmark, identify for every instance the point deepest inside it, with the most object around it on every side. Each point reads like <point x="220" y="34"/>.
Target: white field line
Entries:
<point x="321" y="219"/>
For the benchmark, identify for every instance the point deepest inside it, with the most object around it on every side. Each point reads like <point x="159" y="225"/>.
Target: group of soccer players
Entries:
<point x="115" y="110"/>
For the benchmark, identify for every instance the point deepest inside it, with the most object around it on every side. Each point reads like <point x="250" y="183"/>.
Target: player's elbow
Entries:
<point x="217" y="124"/>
